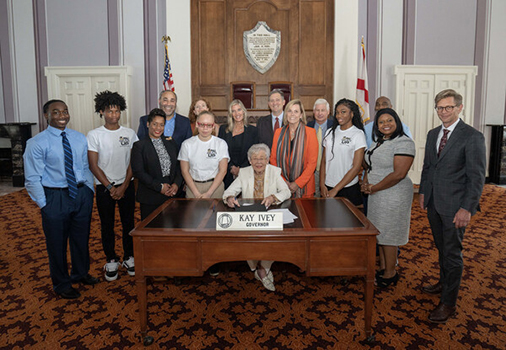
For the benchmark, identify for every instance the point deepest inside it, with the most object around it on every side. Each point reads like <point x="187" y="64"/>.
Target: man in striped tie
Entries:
<point x="58" y="179"/>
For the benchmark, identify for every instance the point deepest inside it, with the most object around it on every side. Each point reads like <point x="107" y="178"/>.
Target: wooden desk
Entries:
<point x="330" y="238"/>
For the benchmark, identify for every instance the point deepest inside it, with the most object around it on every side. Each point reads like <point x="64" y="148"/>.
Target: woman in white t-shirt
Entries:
<point x="204" y="160"/>
<point x="343" y="152"/>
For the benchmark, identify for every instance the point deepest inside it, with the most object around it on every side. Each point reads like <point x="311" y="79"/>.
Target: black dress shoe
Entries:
<point x="70" y="293"/>
<point x="433" y="288"/>
<point x="89" y="280"/>
<point x="442" y="313"/>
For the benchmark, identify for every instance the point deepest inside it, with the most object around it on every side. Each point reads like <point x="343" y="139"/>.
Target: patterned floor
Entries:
<point x="233" y="310"/>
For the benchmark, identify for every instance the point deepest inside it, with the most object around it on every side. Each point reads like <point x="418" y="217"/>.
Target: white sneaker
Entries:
<point x="130" y="266"/>
<point x="111" y="270"/>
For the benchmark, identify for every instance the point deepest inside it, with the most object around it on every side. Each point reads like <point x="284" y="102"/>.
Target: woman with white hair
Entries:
<point x="239" y="136"/>
<point x="259" y="181"/>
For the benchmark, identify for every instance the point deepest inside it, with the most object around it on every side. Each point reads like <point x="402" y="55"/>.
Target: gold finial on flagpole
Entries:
<point x="166" y="39"/>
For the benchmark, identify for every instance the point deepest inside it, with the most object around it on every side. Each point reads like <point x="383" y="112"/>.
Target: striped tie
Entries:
<point x="69" y="169"/>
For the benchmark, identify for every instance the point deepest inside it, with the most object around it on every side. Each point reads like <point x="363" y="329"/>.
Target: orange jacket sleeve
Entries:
<point x="310" y="160"/>
<point x="274" y="148"/>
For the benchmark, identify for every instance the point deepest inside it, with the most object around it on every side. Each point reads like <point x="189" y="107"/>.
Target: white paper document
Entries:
<point x="288" y="216"/>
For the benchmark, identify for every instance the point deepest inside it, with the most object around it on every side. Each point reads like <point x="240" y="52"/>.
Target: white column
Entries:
<point x="346" y="46"/>
<point x="178" y="28"/>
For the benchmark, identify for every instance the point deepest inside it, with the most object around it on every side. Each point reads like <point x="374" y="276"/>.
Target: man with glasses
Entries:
<point x="450" y="188"/>
<point x="177" y="127"/>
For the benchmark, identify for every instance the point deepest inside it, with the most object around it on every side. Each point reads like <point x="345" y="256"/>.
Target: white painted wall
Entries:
<point x="346" y="46"/>
<point x="178" y="28"/>
<point x="495" y="76"/>
<point x="445" y="32"/>
<point x="389" y="47"/>
<point x="23" y="62"/>
<point x="2" y="104"/>
<point x="77" y="32"/>
<point x="132" y="54"/>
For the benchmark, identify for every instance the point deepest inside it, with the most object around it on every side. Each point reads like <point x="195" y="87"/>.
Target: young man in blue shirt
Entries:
<point x="58" y="179"/>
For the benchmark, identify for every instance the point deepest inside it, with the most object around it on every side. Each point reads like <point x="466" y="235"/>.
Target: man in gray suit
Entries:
<point x="321" y="121"/>
<point x="450" y="188"/>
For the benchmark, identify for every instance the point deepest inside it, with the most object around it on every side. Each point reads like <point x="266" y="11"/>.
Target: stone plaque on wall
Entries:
<point x="262" y="46"/>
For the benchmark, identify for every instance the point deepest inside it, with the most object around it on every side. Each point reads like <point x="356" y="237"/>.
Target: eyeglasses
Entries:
<point x="446" y="108"/>
<point x="259" y="159"/>
<point x="204" y="125"/>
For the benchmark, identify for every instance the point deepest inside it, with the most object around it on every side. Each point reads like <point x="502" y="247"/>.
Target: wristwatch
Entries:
<point x="109" y="186"/>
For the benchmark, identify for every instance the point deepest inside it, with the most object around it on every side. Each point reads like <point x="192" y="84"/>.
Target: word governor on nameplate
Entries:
<point x="251" y="221"/>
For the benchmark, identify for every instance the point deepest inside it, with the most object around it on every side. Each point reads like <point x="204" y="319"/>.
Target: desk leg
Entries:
<point x="143" y="310"/>
<point x="369" y="293"/>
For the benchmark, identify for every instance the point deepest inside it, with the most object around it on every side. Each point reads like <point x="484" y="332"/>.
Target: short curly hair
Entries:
<point x="107" y="98"/>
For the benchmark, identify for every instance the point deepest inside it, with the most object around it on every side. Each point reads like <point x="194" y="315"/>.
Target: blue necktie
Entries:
<point x="69" y="166"/>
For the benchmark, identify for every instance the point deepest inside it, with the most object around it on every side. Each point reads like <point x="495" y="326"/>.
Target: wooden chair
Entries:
<point x="245" y="91"/>
<point x="285" y="86"/>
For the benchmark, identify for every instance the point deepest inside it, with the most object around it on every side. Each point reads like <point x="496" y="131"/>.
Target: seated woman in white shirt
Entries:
<point x="259" y="181"/>
<point x="204" y="160"/>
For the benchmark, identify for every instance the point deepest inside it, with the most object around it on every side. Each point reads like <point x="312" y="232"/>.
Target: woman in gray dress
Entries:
<point x="390" y="190"/>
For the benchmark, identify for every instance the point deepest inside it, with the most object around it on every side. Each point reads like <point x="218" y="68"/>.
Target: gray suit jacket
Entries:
<point x="455" y="179"/>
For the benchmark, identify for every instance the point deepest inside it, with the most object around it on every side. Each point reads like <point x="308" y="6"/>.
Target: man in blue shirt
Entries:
<point x="58" y="179"/>
<point x="177" y="127"/>
<point x="381" y="102"/>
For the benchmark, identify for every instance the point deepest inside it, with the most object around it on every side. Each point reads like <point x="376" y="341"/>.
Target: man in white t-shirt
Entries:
<point x="109" y="149"/>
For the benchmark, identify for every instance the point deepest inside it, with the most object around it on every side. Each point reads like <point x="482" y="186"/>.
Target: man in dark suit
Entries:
<point x="321" y="123"/>
<point x="266" y="125"/>
<point x="177" y="127"/>
<point x="450" y="188"/>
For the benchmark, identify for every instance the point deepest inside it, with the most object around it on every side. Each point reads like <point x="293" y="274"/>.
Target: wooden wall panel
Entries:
<point x="212" y="41"/>
<point x="306" y="57"/>
<point x="312" y="43"/>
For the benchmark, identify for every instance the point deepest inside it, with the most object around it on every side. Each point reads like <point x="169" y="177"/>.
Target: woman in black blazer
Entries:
<point x="240" y="136"/>
<point x="154" y="163"/>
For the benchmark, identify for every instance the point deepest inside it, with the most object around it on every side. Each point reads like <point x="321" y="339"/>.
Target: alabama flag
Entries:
<point x="362" y="97"/>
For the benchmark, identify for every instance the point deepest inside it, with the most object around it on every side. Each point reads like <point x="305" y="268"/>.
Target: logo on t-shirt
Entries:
<point x="345" y="140"/>
<point x="211" y="153"/>
<point x="124" y="141"/>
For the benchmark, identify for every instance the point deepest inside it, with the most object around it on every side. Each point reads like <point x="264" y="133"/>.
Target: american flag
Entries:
<point x="168" y="82"/>
<point x="362" y="97"/>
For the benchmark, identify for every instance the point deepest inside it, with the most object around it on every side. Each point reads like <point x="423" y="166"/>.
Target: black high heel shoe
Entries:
<point x="386" y="282"/>
<point x="379" y="273"/>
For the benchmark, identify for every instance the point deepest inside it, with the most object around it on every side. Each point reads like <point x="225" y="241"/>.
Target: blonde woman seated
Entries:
<point x="259" y="181"/>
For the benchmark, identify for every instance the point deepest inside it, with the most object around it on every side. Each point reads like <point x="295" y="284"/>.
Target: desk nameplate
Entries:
<point x="251" y="221"/>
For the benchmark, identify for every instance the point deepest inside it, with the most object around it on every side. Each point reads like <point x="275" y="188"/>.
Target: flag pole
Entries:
<point x="168" y="82"/>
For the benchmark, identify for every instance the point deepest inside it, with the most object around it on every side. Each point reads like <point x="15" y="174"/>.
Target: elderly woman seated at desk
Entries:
<point x="259" y="181"/>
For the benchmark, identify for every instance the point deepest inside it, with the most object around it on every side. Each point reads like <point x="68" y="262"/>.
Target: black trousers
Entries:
<point x="448" y="240"/>
<point x="107" y="210"/>
<point x="67" y="221"/>
<point x="352" y="193"/>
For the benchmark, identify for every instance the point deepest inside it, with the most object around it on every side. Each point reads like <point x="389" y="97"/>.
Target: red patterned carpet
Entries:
<point x="233" y="310"/>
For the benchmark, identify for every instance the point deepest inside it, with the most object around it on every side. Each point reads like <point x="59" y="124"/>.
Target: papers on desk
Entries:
<point x="288" y="216"/>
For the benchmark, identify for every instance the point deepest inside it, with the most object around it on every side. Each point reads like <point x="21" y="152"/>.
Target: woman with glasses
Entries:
<point x="259" y="181"/>
<point x="197" y="107"/>
<point x="154" y="164"/>
<point x="239" y="136"/>
<point x="204" y="160"/>
<point x="295" y="151"/>
<point x="390" y="190"/>
<point x="343" y="153"/>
